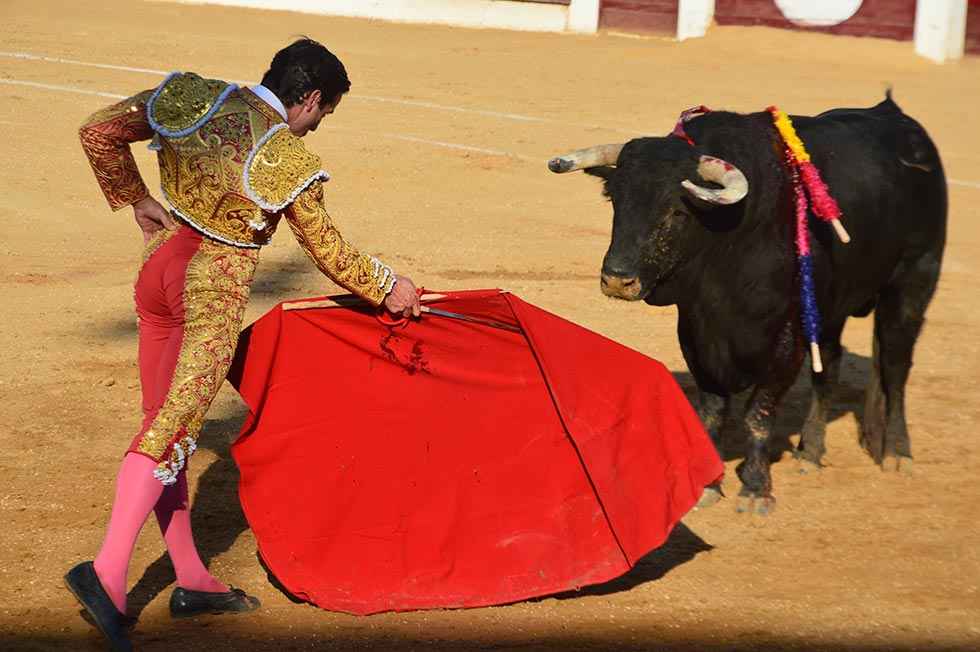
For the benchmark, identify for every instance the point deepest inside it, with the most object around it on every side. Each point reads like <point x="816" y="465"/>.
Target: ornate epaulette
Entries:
<point x="184" y="102"/>
<point x="279" y="168"/>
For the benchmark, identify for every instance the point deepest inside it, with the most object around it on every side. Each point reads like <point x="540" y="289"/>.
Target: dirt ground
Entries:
<point x="438" y="163"/>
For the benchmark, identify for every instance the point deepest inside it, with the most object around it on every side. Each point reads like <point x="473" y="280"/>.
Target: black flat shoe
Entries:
<point x="87" y="589"/>
<point x="185" y="603"/>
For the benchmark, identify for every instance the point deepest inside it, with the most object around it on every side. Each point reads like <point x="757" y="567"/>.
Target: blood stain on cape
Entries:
<point x="416" y="362"/>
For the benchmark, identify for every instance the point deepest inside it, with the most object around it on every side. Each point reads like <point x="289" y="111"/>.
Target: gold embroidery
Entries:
<point x="201" y="174"/>
<point x="199" y="171"/>
<point x="321" y="240"/>
<point x="243" y="221"/>
<point x="230" y="135"/>
<point x="156" y="241"/>
<point x="259" y="105"/>
<point x="105" y="137"/>
<point x="184" y="99"/>
<point x="131" y="105"/>
<point x="216" y="291"/>
<point x="279" y="169"/>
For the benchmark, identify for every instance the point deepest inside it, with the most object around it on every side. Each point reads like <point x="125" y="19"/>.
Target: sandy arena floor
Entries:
<point x="435" y="170"/>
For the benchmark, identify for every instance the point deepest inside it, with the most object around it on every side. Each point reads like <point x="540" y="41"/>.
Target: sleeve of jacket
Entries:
<point x="105" y="137"/>
<point x="345" y="265"/>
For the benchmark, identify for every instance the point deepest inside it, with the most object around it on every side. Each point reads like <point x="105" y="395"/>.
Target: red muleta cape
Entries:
<point x="451" y="464"/>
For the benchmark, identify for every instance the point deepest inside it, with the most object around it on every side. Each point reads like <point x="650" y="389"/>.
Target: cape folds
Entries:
<point x="448" y="463"/>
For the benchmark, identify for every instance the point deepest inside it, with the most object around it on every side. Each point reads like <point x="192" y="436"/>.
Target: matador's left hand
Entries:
<point x="151" y="216"/>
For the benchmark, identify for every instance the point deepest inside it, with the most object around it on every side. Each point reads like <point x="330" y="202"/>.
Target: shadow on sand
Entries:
<point x="792" y="410"/>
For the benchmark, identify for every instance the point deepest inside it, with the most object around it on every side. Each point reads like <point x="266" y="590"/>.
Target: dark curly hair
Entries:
<point x="302" y="67"/>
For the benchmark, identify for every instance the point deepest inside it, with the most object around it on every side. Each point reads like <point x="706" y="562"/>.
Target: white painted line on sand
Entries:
<point x="959" y="182"/>
<point x="439" y="143"/>
<point x="411" y="139"/>
<point x="73" y="62"/>
<point x="27" y="56"/>
<point x="428" y="105"/>
<point x="56" y="87"/>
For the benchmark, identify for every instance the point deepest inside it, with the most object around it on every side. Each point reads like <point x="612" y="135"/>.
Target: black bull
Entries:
<point x="728" y="262"/>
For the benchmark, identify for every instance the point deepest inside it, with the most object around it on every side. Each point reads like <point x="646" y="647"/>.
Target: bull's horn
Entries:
<point x="734" y="184"/>
<point x="586" y="158"/>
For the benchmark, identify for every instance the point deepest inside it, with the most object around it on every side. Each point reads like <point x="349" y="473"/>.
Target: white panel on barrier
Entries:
<point x="500" y="14"/>
<point x="583" y="16"/>
<point x="693" y="18"/>
<point x="940" y="29"/>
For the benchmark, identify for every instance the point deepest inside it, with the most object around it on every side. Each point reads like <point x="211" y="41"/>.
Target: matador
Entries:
<point x="232" y="165"/>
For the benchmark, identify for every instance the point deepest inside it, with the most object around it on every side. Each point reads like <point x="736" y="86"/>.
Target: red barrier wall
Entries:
<point x="973" y="27"/>
<point x="893" y="19"/>
<point x="654" y="16"/>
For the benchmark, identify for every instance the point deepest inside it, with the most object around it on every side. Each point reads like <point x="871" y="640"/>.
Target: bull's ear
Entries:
<point x="601" y="171"/>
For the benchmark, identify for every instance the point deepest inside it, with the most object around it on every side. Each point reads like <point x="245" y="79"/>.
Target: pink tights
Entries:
<point x="160" y="306"/>
<point x="138" y="492"/>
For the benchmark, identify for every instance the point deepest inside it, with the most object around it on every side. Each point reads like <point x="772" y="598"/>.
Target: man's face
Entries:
<point x="306" y="116"/>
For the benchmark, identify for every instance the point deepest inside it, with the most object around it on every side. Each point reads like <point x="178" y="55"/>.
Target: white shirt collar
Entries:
<point x="269" y="98"/>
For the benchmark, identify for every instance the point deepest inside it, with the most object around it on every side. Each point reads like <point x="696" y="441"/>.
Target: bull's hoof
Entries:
<point x="872" y="440"/>
<point x="711" y="495"/>
<point x="807" y="467"/>
<point x="805" y="464"/>
<point x="749" y="503"/>
<point x="899" y="464"/>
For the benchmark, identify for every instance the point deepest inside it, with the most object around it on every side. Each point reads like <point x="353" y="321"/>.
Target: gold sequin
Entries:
<point x="280" y="168"/>
<point x="324" y="244"/>
<point x="184" y="99"/>
<point x="216" y="291"/>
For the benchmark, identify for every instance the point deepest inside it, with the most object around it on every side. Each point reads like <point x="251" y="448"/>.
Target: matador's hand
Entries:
<point x="151" y="216"/>
<point x="403" y="298"/>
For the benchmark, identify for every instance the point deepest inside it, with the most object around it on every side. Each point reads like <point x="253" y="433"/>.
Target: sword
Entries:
<point x="347" y="301"/>
<point x="429" y="310"/>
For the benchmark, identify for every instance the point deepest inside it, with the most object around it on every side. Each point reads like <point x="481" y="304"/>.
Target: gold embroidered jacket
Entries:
<point x="230" y="168"/>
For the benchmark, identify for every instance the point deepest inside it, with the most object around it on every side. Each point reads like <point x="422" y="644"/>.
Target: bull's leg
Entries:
<point x="898" y="321"/>
<point x="713" y="410"/>
<point x="756" y="493"/>
<point x="874" y="420"/>
<point x="812" y="447"/>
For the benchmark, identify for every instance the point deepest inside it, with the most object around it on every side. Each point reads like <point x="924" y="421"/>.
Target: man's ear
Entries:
<point x="312" y="100"/>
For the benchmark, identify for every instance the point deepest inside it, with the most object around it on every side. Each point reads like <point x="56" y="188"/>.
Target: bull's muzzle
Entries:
<point x="621" y="287"/>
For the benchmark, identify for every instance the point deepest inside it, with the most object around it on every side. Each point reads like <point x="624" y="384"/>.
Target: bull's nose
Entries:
<point x="617" y="281"/>
<point x="624" y="287"/>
